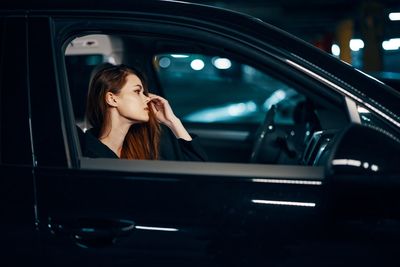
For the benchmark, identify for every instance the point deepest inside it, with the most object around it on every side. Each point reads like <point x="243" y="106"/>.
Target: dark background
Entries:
<point x="333" y="22"/>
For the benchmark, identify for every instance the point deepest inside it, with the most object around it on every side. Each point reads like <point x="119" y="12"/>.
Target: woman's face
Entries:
<point x="131" y="101"/>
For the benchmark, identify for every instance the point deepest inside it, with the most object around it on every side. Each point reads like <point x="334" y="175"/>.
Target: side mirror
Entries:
<point x="363" y="173"/>
<point x="365" y="151"/>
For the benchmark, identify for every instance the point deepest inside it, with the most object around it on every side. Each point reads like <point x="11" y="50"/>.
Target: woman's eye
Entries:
<point x="137" y="92"/>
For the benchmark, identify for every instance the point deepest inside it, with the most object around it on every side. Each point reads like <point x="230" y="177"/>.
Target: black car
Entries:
<point x="303" y="150"/>
<point x="390" y="78"/>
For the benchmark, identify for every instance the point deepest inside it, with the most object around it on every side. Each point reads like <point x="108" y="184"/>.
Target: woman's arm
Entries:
<point x="172" y="148"/>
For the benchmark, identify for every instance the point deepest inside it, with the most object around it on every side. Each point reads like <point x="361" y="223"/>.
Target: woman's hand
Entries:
<point x="166" y="116"/>
<point x="162" y="110"/>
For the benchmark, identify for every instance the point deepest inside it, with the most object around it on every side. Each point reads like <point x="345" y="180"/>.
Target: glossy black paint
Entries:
<point x="57" y="214"/>
<point x="364" y="145"/>
<point x="212" y="216"/>
<point x="20" y="238"/>
<point x="15" y="96"/>
<point x="363" y="179"/>
<point x="19" y="241"/>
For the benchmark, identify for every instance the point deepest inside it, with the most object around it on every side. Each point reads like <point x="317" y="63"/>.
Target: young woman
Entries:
<point x="126" y="120"/>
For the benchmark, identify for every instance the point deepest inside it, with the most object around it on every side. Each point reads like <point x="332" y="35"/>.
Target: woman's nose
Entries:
<point x="146" y="99"/>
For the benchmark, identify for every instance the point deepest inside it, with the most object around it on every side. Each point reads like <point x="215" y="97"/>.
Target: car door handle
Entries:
<point x="92" y="233"/>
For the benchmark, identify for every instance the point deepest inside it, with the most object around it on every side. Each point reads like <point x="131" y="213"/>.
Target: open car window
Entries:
<point x="224" y="100"/>
<point x="214" y="89"/>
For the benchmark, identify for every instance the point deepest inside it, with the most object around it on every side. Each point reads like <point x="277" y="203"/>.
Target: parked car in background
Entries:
<point x="304" y="150"/>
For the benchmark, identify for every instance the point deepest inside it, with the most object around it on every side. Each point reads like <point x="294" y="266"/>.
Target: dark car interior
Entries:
<point x="240" y="112"/>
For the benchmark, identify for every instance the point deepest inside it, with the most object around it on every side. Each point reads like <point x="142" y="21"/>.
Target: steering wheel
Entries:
<point x="265" y="129"/>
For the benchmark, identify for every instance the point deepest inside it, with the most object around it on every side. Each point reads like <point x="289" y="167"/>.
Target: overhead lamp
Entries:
<point x="222" y="63"/>
<point x="179" y="56"/>
<point x="356" y="44"/>
<point x="197" y="64"/>
<point x="335" y="49"/>
<point x="391" y="44"/>
<point x="164" y="62"/>
<point x="394" y="16"/>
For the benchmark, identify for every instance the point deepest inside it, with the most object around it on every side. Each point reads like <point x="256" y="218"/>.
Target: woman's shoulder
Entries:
<point x="92" y="147"/>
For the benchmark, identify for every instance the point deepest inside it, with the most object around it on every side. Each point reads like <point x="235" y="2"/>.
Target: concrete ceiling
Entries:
<point x="312" y="18"/>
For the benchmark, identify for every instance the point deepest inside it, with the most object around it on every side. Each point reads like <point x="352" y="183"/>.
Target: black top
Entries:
<point x="171" y="148"/>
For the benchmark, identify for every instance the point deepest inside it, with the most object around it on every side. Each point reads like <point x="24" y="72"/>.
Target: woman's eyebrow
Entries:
<point x="136" y="85"/>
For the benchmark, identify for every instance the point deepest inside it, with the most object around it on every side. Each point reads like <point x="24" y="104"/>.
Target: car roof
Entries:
<point x="162" y="6"/>
<point x="230" y="20"/>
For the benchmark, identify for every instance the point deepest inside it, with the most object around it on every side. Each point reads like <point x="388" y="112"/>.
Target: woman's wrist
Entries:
<point x="178" y="129"/>
<point x="174" y="122"/>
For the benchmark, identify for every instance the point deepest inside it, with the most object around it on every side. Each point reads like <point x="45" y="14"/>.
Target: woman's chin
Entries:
<point x="140" y="120"/>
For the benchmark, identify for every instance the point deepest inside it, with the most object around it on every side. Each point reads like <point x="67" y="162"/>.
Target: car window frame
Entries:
<point x="71" y="29"/>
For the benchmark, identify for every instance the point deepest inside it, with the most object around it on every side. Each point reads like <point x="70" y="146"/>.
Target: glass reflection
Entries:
<point x="284" y="203"/>
<point x="224" y="113"/>
<point x="355" y="163"/>
<point x="283" y="181"/>
<point x="141" y="227"/>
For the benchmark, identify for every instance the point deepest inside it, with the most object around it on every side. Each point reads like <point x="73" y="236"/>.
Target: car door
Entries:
<point x="119" y="213"/>
<point x="19" y="238"/>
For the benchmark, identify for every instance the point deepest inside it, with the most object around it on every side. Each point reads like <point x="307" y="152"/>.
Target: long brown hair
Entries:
<point x="142" y="139"/>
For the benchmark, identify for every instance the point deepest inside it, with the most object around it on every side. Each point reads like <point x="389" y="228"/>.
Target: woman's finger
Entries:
<point x="153" y="107"/>
<point x="157" y="98"/>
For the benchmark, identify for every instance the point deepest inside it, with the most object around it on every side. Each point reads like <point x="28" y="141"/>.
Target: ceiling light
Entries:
<point x="197" y="64"/>
<point x="394" y="16"/>
<point x="356" y="44"/>
<point x="391" y="44"/>
<point x="335" y="49"/>
<point x="164" y="62"/>
<point x="222" y="63"/>
<point x="179" y="56"/>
